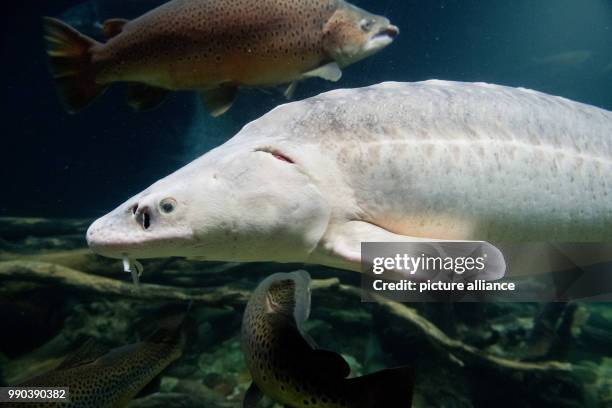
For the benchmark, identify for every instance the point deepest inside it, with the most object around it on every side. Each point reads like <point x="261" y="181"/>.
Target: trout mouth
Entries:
<point x="380" y="40"/>
<point x="390" y="32"/>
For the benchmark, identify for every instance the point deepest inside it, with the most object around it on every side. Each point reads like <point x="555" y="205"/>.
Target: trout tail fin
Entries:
<point x="387" y="388"/>
<point x="71" y="64"/>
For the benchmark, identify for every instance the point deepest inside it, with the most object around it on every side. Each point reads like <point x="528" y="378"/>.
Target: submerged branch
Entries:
<point x="46" y="273"/>
<point x="456" y="348"/>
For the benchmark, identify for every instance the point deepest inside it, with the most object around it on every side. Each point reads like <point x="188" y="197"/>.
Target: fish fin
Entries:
<point x="218" y="100"/>
<point x="198" y="258"/>
<point x="170" y="328"/>
<point x="387" y="388"/>
<point x="89" y="351"/>
<point x="329" y="364"/>
<point x="540" y="258"/>
<point x="150" y="388"/>
<point x="169" y="334"/>
<point x="330" y="72"/>
<point x="252" y="396"/>
<point x="142" y="97"/>
<point x="302" y="294"/>
<point x="113" y="27"/>
<point x="290" y="91"/>
<point x="310" y="341"/>
<point x="71" y="66"/>
<point x="302" y="297"/>
<point x="346" y="240"/>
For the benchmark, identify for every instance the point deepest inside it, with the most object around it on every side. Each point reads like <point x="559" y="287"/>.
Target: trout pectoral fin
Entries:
<point x="329" y="364"/>
<point x="252" y="396"/>
<point x="142" y="97"/>
<point x="218" y="101"/>
<point x="387" y="388"/>
<point x="330" y="72"/>
<point x="290" y="91"/>
<point x="310" y="340"/>
<point x="113" y="27"/>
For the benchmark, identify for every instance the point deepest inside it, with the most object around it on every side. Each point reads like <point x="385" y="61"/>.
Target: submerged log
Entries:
<point x="42" y="273"/>
<point x="457" y="351"/>
<point x="14" y="228"/>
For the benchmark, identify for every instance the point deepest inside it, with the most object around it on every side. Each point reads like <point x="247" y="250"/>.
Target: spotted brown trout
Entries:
<point x="110" y="379"/>
<point x="215" y="47"/>
<point x="285" y="365"/>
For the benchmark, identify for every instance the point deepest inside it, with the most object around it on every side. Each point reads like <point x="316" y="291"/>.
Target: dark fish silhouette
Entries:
<point x="286" y="367"/>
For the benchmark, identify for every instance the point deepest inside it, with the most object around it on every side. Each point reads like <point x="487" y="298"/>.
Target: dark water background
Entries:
<point x="83" y="165"/>
<point x="59" y="165"/>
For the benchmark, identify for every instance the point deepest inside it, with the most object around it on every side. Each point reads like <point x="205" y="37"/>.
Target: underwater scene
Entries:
<point x="234" y="203"/>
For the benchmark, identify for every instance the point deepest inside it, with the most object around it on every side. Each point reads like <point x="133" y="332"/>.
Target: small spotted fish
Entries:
<point x="287" y="367"/>
<point x="215" y="47"/>
<point x="100" y="378"/>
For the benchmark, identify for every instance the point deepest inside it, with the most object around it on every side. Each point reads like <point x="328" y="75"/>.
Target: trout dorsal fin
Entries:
<point x="113" y="27"/>
<point x="89" y="351"/>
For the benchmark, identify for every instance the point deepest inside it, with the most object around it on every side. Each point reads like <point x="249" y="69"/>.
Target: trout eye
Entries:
<point x="167" y="205"/>
<point x="366" y="24"/>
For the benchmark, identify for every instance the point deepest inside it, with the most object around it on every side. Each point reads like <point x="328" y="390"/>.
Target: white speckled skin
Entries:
<point x="435" y="159"/>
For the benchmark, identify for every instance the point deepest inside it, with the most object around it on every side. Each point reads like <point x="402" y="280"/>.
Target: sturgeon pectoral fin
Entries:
<point x="252" y="397"/>
<point x="347" y="239"/>
<point x="142" y="97"/>
<point x="330" y="72"/>
<point x="346" y="242"/>
<point x="218" y="101"/>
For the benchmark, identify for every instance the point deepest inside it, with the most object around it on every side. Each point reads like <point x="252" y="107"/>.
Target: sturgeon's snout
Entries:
<point x="97" y="235"/>
<point x="143" y="227"/>
<point x="121" y="231"/>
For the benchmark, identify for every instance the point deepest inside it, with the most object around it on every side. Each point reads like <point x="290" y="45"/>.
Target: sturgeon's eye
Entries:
<point x="366" y="24"/>
<point x="167" y="205"/>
